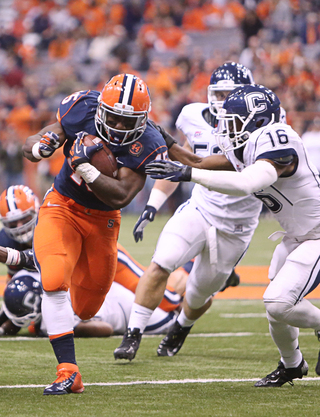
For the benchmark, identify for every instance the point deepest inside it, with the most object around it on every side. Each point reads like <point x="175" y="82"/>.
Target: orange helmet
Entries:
<point x="18" y="212"/>
<point x="122" y="112"/>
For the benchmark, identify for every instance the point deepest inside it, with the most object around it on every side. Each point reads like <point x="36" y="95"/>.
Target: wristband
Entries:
<point x="88" y="172"/>
<point x="157" y="198"/>
<point x="13" y="257"/>
<point x="35" y="151"/>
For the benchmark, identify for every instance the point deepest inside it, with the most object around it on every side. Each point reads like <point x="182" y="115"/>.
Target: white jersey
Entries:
<point x="294" y="200"/>
<point x="228" y="213"/>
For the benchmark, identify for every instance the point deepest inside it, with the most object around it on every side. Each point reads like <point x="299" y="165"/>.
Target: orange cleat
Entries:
<point x="68" y="382"/>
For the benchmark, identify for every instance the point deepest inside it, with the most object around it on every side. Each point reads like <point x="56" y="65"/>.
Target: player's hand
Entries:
<point x="79" y="153"/>
<point x="168" y="170"/>
<point x="48" y="144"/>
<point x="26" y="260"/>
<point x="146" y="217"/>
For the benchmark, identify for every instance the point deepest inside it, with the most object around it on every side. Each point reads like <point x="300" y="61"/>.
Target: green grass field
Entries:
<point x="228" y="349"/>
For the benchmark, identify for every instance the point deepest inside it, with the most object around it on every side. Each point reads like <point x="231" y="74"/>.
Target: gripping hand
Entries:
<point x="79" y="153"/>
<point x="26" y="260"/>
<point x="168" y="170"/>
<point x="48" y="144"/>
<point x="146" y="217"/>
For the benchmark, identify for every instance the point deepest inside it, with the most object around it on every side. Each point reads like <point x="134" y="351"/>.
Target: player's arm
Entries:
<point x="186" y="157"/>
<point x="253" y="178"/>
<point x="44" y="143"/>
<point x="93" y="328"/>
<point x="14" y="257"/>
<point x="118" y="192"/>
<point x="159" y="194"/>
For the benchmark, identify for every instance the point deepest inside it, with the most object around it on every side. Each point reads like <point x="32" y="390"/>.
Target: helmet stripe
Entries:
<point x="11" y="201"/>
<point x="127" y="90"/>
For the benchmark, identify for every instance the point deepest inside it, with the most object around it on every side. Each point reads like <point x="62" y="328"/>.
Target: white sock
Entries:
<point x="57" y="312"/>
<point x="286" y="339"/>
<point x="139" y="317"/>
<point x="184" y="321"/>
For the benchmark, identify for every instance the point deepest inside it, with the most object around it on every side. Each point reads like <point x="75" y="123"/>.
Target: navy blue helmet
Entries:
<point x="225" y="78"/>
<point x="245" y="110"/>
<point x="22" y="300"/>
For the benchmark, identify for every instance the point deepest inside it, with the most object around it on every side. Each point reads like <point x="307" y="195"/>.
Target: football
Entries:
<point x="103" y="160"/>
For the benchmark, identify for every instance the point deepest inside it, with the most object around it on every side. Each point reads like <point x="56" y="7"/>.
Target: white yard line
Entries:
<point x="168" y="382"/>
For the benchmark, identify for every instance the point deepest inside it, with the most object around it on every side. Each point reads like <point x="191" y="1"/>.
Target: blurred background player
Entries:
<point x="19" y="208"/>
<point x="273" y="164"/>
<point x="82" y="210"/>
<point x="214" y="228"/>
<point x="23" y="294"/>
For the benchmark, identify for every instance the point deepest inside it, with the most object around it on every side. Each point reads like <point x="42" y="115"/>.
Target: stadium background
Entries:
<point x="51" y="48"/>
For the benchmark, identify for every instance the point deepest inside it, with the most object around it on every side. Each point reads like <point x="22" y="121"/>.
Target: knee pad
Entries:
<point x="278" y="311"/>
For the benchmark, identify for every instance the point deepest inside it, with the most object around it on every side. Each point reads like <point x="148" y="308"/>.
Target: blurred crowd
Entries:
<point x="51" y="48"/>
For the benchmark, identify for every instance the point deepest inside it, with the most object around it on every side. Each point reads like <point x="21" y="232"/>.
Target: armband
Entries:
<point x="35" y="151"/>
<point x="88" y="172"/>
<point x="13" y="257"/>
<point x="157" y="198"/>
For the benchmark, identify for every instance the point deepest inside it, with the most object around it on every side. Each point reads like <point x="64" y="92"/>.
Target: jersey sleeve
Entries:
<point x="276" y="144"/>
<point x="149" y="147"/>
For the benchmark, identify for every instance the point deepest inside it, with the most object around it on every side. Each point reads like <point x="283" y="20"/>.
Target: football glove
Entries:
<point x="26" y="260"/>
<point x="145" y="218"/>
<point x="168" y="170"/>
<point x="79" y="153"/>
<point x="48" y="144"/>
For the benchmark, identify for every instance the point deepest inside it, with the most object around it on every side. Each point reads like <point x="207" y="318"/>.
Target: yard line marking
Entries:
<point x="168" y="382"/>
<point x="151" y="336"/>
<point x="242" y="315"/>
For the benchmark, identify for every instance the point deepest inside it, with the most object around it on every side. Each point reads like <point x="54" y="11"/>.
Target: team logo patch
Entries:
<point x="136" y="149"/>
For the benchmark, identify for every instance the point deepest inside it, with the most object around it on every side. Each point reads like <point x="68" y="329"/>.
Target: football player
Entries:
<point x="75" y="240"/>
<point x="273" y="164"/>
<point x="19" y="207"/>
<point x="23" y="294"/>
<point x="214" y="228"/>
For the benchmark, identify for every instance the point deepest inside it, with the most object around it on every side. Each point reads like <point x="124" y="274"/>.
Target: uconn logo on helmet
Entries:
<point x="256" y="102"/>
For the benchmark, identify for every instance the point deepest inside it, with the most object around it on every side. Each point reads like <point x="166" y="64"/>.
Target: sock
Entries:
<point x="184" y="321"/>
<point x="63" y="348"/>
<point x="139" y="317"/>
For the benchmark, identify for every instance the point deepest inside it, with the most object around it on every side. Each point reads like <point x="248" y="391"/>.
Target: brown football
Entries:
<point x="103" y="160"/>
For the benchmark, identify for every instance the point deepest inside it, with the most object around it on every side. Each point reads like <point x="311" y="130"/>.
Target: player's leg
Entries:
<point x="95" y="269"/>
<point x="211" y="269"/>
<point x="183" y="237"/>
<point x="287" y="309"/>
<point x="56" y="253"/>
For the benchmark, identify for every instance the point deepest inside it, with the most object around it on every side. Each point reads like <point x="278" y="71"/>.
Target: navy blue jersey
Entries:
<point x="7" y="241"/>
<point x="76" y="113"/>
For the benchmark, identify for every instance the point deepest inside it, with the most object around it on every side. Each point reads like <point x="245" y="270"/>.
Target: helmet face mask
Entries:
<point x="224" y="79"/>
<point x="22" y="300"/>
<point x="18" y="212"/>
<point x="122" y="112"/>
<point x="245" y="110"/>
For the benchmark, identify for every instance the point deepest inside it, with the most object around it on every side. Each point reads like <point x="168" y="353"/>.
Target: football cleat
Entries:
<point x="129" y="345"/>
<point x="232" y="281"/>
<point x="68" y="382"/>
<point x="173" y="341"/>
<point x="282" y="375"/>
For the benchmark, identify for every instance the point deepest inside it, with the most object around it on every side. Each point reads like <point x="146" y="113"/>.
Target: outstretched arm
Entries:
<point x="40" y="145"/>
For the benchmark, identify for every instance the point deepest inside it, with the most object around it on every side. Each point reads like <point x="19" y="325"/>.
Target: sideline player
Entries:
<point x="19" y="208"/>
<point x="82" y="211"/>
<point x="215" y="229"/>
<point x="272" y="163"/>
